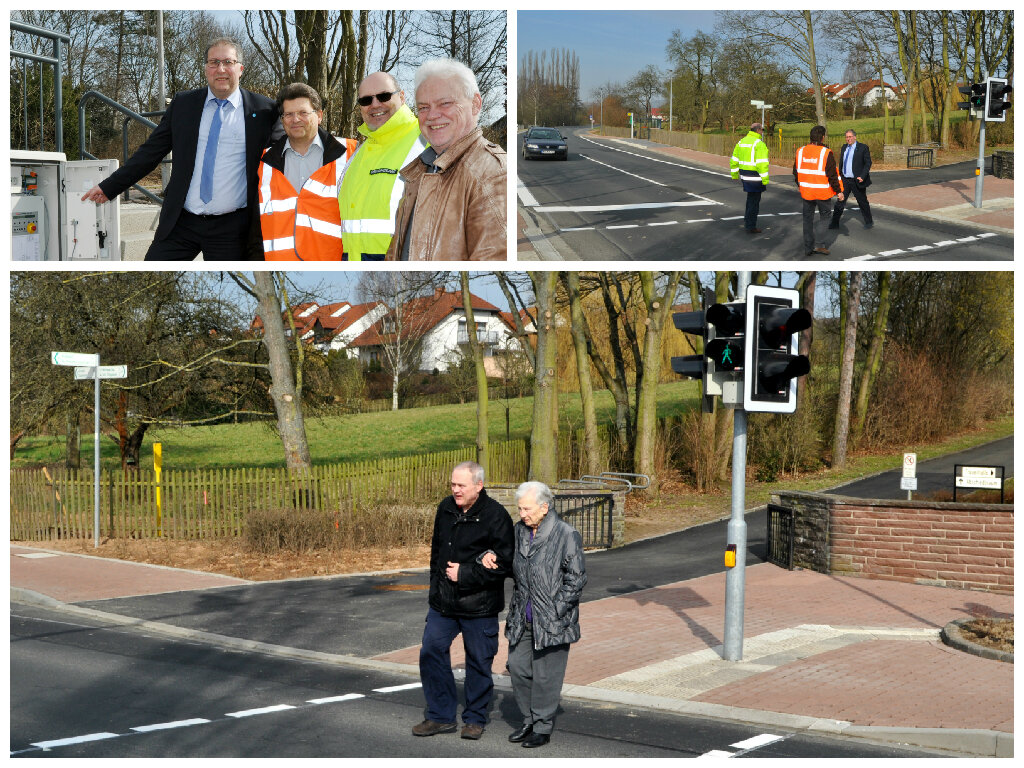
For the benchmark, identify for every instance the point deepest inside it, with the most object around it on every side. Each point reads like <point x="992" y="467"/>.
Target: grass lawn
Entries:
<point x="340" y="439"/>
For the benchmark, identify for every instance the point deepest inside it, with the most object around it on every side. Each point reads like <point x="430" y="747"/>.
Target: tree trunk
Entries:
<point x="842" y="426"/>
<point x="874" y="360"/>
<point x="591" y="449"/>
<point x="544" y="435"/>
<point x="72" y="440"/>
<point x="287" y="403"/>
<point x="819" y="102"/>
<point x="658" y="309"/>
<point x="482" y="441"/>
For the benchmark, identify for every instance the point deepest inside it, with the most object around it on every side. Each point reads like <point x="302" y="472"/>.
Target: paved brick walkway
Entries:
<point x="862" y="681"/>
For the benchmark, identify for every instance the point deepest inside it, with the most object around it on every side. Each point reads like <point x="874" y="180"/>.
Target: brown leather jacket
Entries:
<point x="458" y="213"/>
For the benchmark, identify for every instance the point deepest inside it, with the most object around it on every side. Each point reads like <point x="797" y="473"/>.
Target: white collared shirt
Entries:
<point x="298" y="168"/>
<point x="229" y="179"/>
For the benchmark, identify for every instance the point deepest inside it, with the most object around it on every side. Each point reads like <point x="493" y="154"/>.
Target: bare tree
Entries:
<point x="477" y="352"/>
<point x="849" y="348"/>
<point x="592" y="451"/>
<point x="544" y="435"/>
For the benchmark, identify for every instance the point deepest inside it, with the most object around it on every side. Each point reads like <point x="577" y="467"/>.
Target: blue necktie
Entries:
<point x="210" y="158"/>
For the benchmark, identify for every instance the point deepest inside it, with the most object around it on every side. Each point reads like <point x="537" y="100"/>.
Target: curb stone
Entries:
<point x="948" y="741"/>
<point x="954" y="638"/>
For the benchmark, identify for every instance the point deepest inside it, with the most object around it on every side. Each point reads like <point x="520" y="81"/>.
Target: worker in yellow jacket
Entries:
<point x="299" y="176"/>
<point x="369" y="193"/>
<point x="749" y="164"/>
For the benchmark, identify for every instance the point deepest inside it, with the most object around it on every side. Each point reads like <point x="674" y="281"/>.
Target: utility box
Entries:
<point x="49" y="219"/>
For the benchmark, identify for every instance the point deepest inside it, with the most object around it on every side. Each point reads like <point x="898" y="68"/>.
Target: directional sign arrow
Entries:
<point x="106" y="372"/>
<point x="74" y="358"/>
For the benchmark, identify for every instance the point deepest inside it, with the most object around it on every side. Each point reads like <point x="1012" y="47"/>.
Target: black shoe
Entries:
<point x="834" y="225"/>
<point x="754" y="231"/>
<point x="869" y="225"/>
<point x="522" y="734"/>
<point x="537" y="740"/>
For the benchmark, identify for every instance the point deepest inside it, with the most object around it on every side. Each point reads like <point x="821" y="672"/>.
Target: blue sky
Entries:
<point x="612" y="45"/>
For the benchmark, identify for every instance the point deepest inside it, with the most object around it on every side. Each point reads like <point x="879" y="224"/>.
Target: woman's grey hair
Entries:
<point x="449" y="69"/>
<point x="475" y="470"/>
<point x="541" y="493"/>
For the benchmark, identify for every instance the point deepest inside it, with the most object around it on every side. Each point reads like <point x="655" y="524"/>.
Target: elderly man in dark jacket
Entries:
<point x="544" y="614"/>
<point x="465" y="597"/>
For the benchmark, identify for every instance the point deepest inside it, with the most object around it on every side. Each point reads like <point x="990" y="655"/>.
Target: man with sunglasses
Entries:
<point x="371" y="188"/>
<point x="453" y="208"/>
<point x="217" y="135"/>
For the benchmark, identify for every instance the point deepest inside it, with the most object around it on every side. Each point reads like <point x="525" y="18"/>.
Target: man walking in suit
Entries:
<point x="854" y="165"/>
<point x="217" y="135"/>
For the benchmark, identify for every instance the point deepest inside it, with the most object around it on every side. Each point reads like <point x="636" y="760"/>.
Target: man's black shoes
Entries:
<point x="522" y="734"/>
<point x="537" y="740"/>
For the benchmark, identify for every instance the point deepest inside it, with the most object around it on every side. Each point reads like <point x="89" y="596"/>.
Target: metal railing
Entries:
<point x="780" y="536"/>
<point x="129" y="115"/>
<point x="613" y="479"/>
<point x="920" y="157"/>
<point x="58" y="78"/>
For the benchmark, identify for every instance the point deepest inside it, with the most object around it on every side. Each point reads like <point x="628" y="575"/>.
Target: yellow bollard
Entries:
<point x="158" y="455"/>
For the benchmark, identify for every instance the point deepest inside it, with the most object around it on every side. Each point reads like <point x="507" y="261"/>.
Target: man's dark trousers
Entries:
<point x="753" y="204"/>
<point x="220" y="238"/>
<point x="480" y="640"/>
<point x="822" y="206"/>
<point x="851" y="185"/>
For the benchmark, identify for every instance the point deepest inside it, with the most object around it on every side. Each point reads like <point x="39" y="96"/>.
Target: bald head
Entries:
<point x="378" y="111"/>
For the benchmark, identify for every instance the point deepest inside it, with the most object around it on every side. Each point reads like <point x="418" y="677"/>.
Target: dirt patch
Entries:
<point x="991" y="633"/>
<point x="231" y="558"/>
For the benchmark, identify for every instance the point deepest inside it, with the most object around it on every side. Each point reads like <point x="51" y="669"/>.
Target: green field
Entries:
<point x="339" y="439"/>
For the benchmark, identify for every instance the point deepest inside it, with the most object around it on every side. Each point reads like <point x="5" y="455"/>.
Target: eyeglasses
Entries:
<point x="217" y="63"/>
<point x="365" y="101"/>
<point x="303" y="115"/>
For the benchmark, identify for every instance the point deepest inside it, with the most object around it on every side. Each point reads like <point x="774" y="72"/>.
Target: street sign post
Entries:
<point x="909" y="473"/>
<point x="87" y="366"/>
<point x="978" y="477"/>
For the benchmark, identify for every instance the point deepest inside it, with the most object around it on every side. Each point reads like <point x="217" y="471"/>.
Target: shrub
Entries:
<point x="381" y="525"/>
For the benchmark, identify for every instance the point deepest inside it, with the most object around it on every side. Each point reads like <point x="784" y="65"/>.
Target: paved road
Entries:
<point x="82" y="689"/>
<point x="617" y="200"/>
<point x="933" y="476"/>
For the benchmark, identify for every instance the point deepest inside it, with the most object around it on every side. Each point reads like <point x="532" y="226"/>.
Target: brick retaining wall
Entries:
<point x="965" y="546"/>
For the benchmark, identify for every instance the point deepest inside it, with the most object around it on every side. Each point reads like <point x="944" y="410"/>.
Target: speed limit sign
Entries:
<point x="910" y="465"/>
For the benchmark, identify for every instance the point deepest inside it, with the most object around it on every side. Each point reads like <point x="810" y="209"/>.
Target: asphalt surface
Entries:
<point x="934" y="475"/>
<point x="618" y="199"/>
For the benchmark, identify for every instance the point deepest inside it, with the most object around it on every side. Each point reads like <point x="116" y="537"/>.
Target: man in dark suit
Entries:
<point x="854" y="167"/>
<point x="217" y="135"/>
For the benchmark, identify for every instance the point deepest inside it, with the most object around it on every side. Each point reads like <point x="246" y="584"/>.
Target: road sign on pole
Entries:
<point x="74" y="358"/>
<point x="105" y="372"/>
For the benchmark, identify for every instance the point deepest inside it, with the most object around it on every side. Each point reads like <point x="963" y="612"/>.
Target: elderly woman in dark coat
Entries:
<point x="544" y="614"/>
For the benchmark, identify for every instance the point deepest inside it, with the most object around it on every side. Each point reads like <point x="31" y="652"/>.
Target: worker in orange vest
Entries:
<point x="815" y="172"/>
<point x="299" y="178"/>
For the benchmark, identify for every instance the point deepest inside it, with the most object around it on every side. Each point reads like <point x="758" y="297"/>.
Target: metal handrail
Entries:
<point x="123" y="110"/>
<point x="646" y="478"/>
<point x="124" y="151"/>
<point x="58" y="78"/>
<point x="602" y="478"/>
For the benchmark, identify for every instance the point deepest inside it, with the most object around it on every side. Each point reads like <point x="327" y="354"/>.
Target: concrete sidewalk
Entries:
<point x="950" y="201"/>
<point x="831" y="655"/>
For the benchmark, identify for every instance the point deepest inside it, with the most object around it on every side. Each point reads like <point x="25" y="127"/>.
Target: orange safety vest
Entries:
<point x="810" y="173"/>
<point x="303" y="225"/>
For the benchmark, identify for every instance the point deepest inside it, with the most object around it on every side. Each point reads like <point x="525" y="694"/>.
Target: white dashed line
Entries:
<point x="625" y="207"/>
<point x="942" y="243"/>
<point x="74" y="740"/>
<point x="167" y="726"/>
<point x="662" y="223"/>
<point x="623" y="226"/>
<point x="715" y="753"/>
<point x="259" y="711"/>
<point x="656" y="160"/>
<point x="525" y="195"/>
<point x="756" y="741"/>
<point x="393" y="688"/>
<point x="332" y="699"/>
<point x="893" y="252"/>
<point x="634" y="175"/>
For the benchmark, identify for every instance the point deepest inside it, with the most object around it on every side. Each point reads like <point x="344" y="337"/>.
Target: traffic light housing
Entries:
<point x="976" y="94"/>
<point x="696" y="366"/>
<point x="771" y="357"/>
<point x="996" y="103"/>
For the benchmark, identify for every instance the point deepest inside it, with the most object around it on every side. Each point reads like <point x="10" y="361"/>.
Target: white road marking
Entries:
<point x="38" y="555"/>
<point x="74" y="740"/>
<point x="393" y="688"/>
<point x="166" y="726"/>
<point x="634" y="175"/>
<point x="622" y="207"/>
<point x="525" y="195"/>
<point x="260" y="711"/>
<point x="662" y="223"/>
<point x="968" y="239"/>
<point x="331" y="699"/>
<point x="893" y="252"/>
<point x="756" y="741"/>
<point x="920" y="247"/>
<point x="793" y="213"/>
<point x="715" y="753"/>
<point x="942" y="243"/>
<point x="623" y="226"/>
<point x="577" y="229"/>
<point x="730" y="218"/>
<point x="655" y="160"/>
<point x="987" y="234"/>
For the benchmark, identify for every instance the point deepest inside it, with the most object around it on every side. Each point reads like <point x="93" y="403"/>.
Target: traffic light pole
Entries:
<point x="736" y="534"/>
<point x="979" y="181"/>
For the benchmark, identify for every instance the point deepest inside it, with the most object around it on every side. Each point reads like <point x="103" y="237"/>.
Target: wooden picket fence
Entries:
<point x="214" y="503"/>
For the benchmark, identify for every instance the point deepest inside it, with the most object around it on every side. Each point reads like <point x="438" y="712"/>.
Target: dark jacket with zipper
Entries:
<point x="550" y="572"/>
<point x="462" y="538"/>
